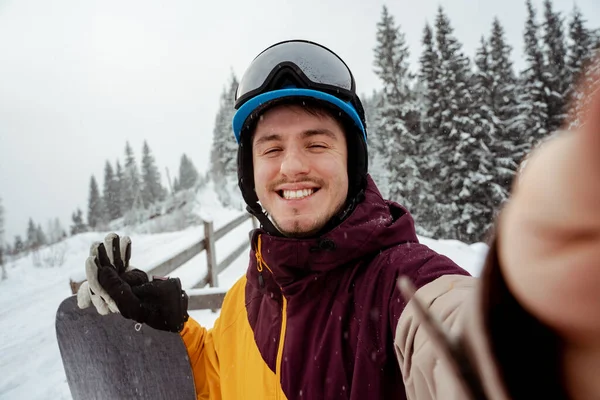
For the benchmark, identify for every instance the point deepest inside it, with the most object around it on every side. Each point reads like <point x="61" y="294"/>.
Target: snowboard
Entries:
<point x="110" y="357"/>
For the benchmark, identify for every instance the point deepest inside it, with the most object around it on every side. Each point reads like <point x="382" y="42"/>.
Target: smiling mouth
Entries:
<point x="297" y="194"/>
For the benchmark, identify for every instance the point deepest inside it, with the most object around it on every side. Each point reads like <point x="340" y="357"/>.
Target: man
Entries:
<point x="318" y="314"/>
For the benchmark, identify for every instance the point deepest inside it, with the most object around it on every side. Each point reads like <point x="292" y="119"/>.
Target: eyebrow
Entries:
<point x="316" y="132"/>
<point x="305" y="134"/>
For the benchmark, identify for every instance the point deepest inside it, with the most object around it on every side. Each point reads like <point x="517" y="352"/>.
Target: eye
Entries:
<point x="317" y="146"/>
<point x="272" y="150"/>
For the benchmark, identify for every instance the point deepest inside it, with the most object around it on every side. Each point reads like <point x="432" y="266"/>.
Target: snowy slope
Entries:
<point x="30" y="366"/>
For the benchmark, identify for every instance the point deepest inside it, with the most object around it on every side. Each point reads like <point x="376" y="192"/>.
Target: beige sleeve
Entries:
<point x="433" y="357"/>
<point x="427" y="375"/>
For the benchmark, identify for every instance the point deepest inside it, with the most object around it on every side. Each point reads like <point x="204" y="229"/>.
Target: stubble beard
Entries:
<point x="299" y="232"/>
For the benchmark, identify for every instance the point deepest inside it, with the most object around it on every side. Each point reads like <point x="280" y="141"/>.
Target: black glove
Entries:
<point x="161" y="303"/>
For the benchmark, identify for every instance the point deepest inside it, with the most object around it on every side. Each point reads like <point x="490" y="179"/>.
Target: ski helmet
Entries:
<point x="297" y="71"/>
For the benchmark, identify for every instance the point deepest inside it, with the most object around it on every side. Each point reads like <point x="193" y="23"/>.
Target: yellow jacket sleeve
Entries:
<point x="203" y="359"/>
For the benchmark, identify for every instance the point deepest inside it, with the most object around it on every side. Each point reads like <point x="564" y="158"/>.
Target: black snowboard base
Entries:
<point x="110" y="357"/>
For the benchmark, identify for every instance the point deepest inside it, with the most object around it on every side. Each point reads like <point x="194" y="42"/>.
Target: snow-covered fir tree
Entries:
<point x="579" y="47"/>
<point x="507" y="147"/>
<point x="55" y="231"/>
<point x="41" y="237"/>
<point x="120" y="184"/>
<point x="111" y="194"/>
<point x="223" y="156"/>
<point x="428" y="77"/>
<point x="474" y="161"/>
<point x="430" y="107"/>
<point x="32" y="237"/>
<point x="377" y="152"/>
<point x="1" y="223"/>
<point x="95" y="215"/>
<point x="188" y="174"/>
<point x="555" y="72"/>
<point x="3" y="246"/>
<point x="152" y="189"/>
<point x="78" y="225"/>
<point x="19" y="245"/>
<point x="398" y="127"/>
<point x="130" y="183"/>
<point x="580" y="58"/>
<point x="532" y="119"/>
<point x="449" y="150"/>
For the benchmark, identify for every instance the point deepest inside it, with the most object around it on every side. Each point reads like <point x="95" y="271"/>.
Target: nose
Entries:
<point x="294" y="164"/>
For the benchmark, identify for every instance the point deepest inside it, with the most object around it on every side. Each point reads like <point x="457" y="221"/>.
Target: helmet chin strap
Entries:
<point x="262" y="217"/>
<point x="268" y="225"/>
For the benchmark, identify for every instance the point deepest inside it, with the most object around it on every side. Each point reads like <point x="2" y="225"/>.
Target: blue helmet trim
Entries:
<point x="248" y="107"/>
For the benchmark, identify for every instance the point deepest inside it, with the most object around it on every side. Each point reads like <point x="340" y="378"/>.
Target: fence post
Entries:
<point x="211" y="257"/>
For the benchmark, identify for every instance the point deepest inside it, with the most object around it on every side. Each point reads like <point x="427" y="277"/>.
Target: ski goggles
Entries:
<point x="301" y="68"/>
<point x="311" y="65"/>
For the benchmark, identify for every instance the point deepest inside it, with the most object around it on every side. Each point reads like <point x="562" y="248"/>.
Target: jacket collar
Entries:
<point x="374" y="225"/>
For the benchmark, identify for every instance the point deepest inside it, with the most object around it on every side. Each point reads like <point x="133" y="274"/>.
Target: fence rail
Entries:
<point x="208" y="298"/>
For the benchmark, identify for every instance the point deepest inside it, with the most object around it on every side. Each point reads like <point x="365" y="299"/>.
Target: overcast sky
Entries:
<point x="78" y="78"/>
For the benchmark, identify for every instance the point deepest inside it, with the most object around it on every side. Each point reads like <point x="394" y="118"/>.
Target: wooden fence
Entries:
<point x="201" y="298"/>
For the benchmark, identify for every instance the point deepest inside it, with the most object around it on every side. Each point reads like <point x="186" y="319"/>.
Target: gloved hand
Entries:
<point x="115" y="286"/>
<point x="90" y="291"/>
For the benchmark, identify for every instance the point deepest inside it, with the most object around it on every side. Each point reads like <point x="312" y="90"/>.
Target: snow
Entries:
<point x="30" y="365"/>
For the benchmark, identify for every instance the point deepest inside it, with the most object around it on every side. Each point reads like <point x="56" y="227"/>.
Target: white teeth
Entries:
<point x="297" y="194"/>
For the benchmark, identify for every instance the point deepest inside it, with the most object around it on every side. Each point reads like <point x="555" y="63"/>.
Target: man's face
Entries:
<point x="300" y="168"/>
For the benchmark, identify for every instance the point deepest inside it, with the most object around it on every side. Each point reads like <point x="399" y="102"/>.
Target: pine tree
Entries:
<point x="503" y="80"/>
<point x="590" y="82"/>
<point x="224" y="148"/>
<point x="486" y="122"/>
<point x="223" y="156"/>
<point x="152" y="190"/>
<point x="532" y="109"/>
<point x="1" y="224"/>
<point x="3" y="246"/>
<point x="430" y="121"/>
<point x="428" y="76"/>
<point x="32" y="237"/>
<point x="78" y="225"/>
<point x="555" y="73"/>
<point x="110" y="193"/>
<point x="507" y="145"/>
<point x="130" y="183"/>
<point x="580" y="46"/>
<point x="95" y="206"/>
<point x="19" y="246"/>
<point x="120" y="185"/>
<point x="378" y="156"/>
<point x="391" y="61"/>
<point x="474" y="201"/>
<point x="55" y="231"/>
<point x="449" y="153"/>
<point x="41" y="238"/>
<point x="580" y="54"/>
<point x="188" y="175"/>
<point x="399" y="117"/>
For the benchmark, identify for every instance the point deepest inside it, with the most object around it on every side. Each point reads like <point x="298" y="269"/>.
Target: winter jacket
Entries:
<point x="319" y="318"/>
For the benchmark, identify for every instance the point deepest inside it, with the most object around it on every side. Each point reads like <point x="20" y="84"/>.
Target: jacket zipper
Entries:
<point x="281" y="341"/>
<point x="260" y="265"/>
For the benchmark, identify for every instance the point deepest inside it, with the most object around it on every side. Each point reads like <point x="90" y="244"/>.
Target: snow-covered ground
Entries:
<point x="30" y="365"/>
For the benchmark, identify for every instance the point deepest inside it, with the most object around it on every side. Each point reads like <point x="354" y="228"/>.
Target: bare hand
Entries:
<point x="549" y="233"/>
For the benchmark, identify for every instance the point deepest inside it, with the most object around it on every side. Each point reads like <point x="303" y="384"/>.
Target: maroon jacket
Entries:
<point x="342" y="306"/>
